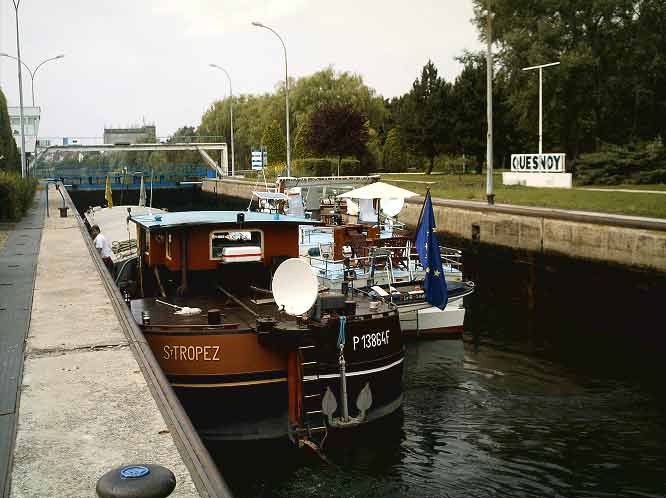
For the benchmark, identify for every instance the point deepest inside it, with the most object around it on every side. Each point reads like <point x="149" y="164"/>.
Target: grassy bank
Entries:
<point x="16" y="195"/>
<point x="473" y="187"/>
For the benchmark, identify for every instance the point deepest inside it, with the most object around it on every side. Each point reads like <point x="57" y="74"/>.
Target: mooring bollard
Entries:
<point x="136" y="481"/>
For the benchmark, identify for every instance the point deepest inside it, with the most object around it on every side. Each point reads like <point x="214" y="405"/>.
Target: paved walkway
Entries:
<point x="18" y="262"/>
<point x="630" y="190"/>
<point x="85" y="407"/>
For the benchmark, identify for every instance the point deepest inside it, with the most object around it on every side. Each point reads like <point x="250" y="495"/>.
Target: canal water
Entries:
<point x="557" y="389"/>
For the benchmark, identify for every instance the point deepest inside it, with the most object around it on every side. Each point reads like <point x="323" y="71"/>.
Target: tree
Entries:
<point x="299" y="149"/>
<point x="327" y="88"/>
<point x="393" y="155"/>
<point x="275" y="143"/>
<point x="338" y="130"/>
<point x="424" y="115"/>
<point x="611" y="84"/>
<point x="9" y="154"/>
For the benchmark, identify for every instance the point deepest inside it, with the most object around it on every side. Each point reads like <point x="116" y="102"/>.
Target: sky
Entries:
<point x="133" y="61"/>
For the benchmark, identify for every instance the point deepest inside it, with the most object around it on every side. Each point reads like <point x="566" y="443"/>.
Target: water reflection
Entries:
<point x="478" y="422"/>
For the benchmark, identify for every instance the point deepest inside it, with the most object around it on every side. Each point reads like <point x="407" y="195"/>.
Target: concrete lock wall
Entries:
<point x="231" y="188"/>
<point x="577" y="235"/>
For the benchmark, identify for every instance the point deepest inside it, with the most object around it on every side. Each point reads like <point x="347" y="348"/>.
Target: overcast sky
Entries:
<point x="130" y="60"/>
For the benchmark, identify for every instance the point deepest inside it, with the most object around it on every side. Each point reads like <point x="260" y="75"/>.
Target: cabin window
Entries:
<point x="229" y="245"/>
<point x="169" y="245"/>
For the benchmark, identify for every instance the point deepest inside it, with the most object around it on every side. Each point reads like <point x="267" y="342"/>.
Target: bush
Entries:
<point x="636" y="163"/>
<point x="16" y="195"/>
<point x="325" y="167"/>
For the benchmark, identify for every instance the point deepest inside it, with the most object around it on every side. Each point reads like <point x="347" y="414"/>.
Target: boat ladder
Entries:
<point x="313" y="421"/>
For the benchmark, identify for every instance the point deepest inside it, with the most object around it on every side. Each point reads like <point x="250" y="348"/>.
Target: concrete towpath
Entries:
<point x="83" y="406"/>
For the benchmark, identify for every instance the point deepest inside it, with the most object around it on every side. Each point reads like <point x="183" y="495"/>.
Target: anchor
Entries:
<point x="329" y="404"/>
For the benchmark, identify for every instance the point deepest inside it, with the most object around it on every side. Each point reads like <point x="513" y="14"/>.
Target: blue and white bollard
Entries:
<point x="136" y="481"/>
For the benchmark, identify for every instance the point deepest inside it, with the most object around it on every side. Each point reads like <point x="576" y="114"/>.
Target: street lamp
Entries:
<point x="540" y="68"/>
<point x="32" y="73"/>
<point x="490" y="195"/>
<point x="286" y="87"/>
<point x="231" y="112"/>
<point x="24" y="168"/>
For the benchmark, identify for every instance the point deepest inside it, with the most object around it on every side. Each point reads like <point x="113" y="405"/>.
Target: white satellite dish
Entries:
<point x="392" y="207"/>
<point x="295" y="286"/>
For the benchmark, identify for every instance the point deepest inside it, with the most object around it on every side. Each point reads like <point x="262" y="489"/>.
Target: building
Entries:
<point x="127" y="136"/>
<point x="31" y="117"/>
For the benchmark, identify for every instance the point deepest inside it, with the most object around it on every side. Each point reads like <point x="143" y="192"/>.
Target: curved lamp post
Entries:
<point x="24" y="165"/>
<point x="286" y="87"/>
<point x="32" y="73"/>
<point x="231" y="112"/>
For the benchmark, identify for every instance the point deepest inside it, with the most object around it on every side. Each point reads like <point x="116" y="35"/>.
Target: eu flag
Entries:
<point x="427" y="247"/>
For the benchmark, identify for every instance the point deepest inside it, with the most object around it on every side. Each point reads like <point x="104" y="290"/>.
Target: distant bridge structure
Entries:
<point x="221" y="168"/>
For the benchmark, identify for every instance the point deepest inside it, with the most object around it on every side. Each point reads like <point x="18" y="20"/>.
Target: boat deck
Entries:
<point x="234" y="316"/>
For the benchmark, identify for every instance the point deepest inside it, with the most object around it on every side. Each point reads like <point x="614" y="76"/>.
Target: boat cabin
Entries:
<point x="187" y="252"/>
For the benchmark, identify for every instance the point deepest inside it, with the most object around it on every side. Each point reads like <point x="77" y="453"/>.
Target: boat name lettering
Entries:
<point x="368" y="341"/>
<point x="191" y="353"/>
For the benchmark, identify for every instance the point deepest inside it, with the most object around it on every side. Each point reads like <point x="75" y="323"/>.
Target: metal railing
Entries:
<point x="384" y="259"/>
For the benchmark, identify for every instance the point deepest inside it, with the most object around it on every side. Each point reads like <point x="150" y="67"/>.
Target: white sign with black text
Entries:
<point x="537" y="163"/>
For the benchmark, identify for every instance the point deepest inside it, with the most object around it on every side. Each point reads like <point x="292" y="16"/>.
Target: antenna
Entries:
<point x="295" y="287"/>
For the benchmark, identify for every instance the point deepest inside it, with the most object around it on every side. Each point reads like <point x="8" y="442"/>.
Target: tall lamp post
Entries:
<point x="231" y="112"/>
<point x="24" y="168"/>
<point x="540" y="68"/>
<point x="32" y="73"/>
<point x="490" y="196"/>
<point x="286" y="87"/>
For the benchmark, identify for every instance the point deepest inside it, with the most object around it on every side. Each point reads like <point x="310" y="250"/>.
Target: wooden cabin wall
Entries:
<point x="280" y="239"/>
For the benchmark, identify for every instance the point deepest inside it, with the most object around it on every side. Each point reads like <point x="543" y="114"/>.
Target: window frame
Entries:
<point x="213" y="232"/>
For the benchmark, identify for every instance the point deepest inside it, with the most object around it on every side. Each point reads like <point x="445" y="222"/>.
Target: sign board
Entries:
<point x="259" y="159"/>
<point x="538" y="163"/>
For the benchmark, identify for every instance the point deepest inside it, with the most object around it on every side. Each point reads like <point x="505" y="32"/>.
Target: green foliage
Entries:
<point x="325" y="167"/>
<point x="337" y="129"/>
<point x="393" y="153"/>
<point x="611" y="84"/>
<point x="614" y="165"/>
<point x="328" y="88"/>
<point x="299" y="150"/>
<point x="425" y="114"/>
<point x="312" y="167"/>
<point x="275" y="143"/>
<point x="16" y="195"/>
<point x="9" y="154"/>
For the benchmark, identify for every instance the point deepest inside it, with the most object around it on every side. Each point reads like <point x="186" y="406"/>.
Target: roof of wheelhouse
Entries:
<point x="195" y="218"/>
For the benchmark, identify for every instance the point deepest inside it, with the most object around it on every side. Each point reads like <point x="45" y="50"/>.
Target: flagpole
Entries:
<point x="423" y="207"/>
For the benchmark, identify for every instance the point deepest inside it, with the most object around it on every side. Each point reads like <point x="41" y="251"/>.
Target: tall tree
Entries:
<point x="424" y="115"/>
<point x="9" y="155"/>
<point x="610" y="84"/>
<point x="338" y="130"/>
<point x="300" y="151"/>
<point x="275" y="143"/>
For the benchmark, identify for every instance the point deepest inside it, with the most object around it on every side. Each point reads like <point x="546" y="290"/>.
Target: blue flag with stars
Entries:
<point x="427" y="247"/>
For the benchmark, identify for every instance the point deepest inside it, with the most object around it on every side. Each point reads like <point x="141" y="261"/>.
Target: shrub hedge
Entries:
<point x="16" y="195"/>
<point x="326" y="167"/>
<point x="632" y="164"/>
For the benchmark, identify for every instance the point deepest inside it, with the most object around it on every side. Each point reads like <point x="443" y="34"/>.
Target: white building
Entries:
<point x="30" y="125"/>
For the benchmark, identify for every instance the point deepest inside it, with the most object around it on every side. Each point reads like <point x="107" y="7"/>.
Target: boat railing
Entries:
<point x="381" y="259"/>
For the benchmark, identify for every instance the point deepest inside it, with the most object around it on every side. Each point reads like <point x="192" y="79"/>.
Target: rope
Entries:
<point x="341" y="333"/>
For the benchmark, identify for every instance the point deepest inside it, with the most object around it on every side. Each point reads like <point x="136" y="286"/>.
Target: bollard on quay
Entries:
<point x="136" y="481"/>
